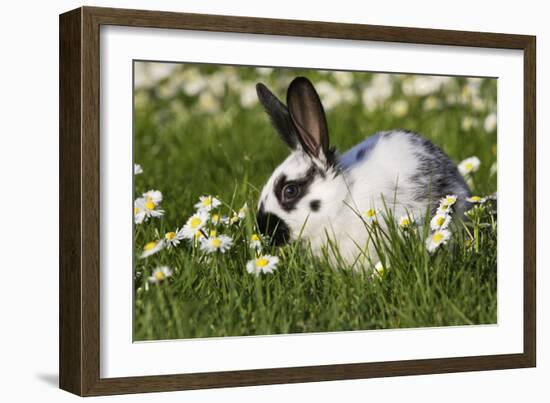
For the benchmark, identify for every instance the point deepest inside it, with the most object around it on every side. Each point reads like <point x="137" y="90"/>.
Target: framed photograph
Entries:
<point x="249" y="201"/>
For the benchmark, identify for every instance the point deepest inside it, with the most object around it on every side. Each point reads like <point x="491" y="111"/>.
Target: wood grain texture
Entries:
<point x="80" y="196"/>
<point x="70" y="186"/>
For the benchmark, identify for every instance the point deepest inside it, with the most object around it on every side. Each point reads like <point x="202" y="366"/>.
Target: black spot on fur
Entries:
<point x="272" y="226"/>
<point x="437" y="176"/>
<point x="315" y="205"/>
<point x="303" y="184"/>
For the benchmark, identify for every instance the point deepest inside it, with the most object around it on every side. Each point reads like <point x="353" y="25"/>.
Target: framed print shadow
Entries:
<point x="310" y="201"/>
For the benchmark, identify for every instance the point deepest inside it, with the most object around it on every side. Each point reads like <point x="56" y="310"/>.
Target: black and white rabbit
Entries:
<point x="317" y="193"/>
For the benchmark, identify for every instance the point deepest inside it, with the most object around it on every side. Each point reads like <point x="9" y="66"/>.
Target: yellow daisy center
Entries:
<point x="370" y="213"/>
<point x="207" y="202"/>
<point x="262" y="262"/>
<point x="450" y="200"/>
<point x="438" y="237"/>
<point x="149" y="245"/>
<point x="149" y="205"/>
<point x="199" y="234"/>
<point x="439" y="221"/>
<point x="255" y="237"/>
<point x="215" y="218"/>
<point x="475" y="199"/>
<point x="405" y="222"/>
<point x="136" y="211"/>
<point x="170" y="236"/>
<point x="213" y="233"/>
<point x="159" y="275"/>
<point x="216" y="242"/>
<point x="469" y="166"/>
<point x="195" y="222"/>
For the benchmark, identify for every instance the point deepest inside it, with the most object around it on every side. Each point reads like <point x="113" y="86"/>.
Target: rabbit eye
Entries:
<point x="291" y="191"/>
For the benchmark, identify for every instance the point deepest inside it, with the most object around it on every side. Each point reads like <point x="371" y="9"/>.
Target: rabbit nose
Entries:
<point x="274" y="227"/>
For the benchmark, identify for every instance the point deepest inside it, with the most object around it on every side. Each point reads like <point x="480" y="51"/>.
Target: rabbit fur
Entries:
<point x="316" y="194"/>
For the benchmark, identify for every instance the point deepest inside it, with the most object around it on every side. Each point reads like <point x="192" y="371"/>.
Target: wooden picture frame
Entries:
<point x="79" y="346"/>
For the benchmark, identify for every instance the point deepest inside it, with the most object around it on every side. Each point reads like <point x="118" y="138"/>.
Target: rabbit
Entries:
<point x="317" y="194"/>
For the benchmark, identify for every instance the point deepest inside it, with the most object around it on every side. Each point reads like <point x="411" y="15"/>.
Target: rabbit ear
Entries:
<point x="308" y="117"/>
<point x="278" y="112"/>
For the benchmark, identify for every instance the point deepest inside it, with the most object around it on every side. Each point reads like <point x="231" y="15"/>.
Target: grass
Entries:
<point x="190" y="144"/>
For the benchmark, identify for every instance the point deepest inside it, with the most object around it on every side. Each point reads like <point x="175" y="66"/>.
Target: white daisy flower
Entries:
<point x="477" y="199"/>
<point x="243" y="211"/>
<point x="172" y="239"/>
<point x="431" y="103"/>
<point x="468" y="123"/>
<point x="217" y="219"/>
<point x="379" y="269"/>
<point x="448" y="200"/>
<point x="207" y="203"/>
<point x="493" y="169"/>
<point x="262" y="264"/>
<point x="369" y="215"/>
<point x="160" y="274"/>
<point x="469" y="165"/>
<point x="444" y="209"/>
<point x="215" y="243"/>
<point x="138" y="169"/>
<point x="208" y="103"/>
<point x="490" y="123"/>
<point x="440" y="221"/>
<point x="249" y="96"/>
<point x="439" y="237"/>
<point x="154" y="196"/>
<point x="400" y="108"/>
<point x="235" y="219"/>
<point x="152" y="247"/>
<point x="404" y="222"/>
<point x="256" y="242"/>
<point x="194" y="225"/>
<point x="145" y="208"/>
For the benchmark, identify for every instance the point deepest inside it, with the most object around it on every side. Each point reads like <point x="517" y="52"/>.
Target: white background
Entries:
<point x="29" y="172"/>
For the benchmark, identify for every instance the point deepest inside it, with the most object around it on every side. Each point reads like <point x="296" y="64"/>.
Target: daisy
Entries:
<point x="400" y="108"/>
<point x="477" y="199"/>
<point x="469" y="165"/>
<point x="138" y="169"/>
<point x="262" y="264"/>
<point x="235" y="219"/>
<point x="404" y="222"/>
<point x="153" y="196"/>
<point x="217" y="219"/>
<point x="256" y="242"/>
<point x="172" y="239"/>
<point x="152" y="247"/>
<point x="439" y="237"/>
<point x="215" y="243"/>
<point x="243" y="211"/>
<point x="207" y="203"/>
<point x="379" y="269"/>
<point x="194" y="225"/>
<point x="160" y="274"/>
<point x="490" y="123"/>
<point x="440" y="221"/>
<point x="145" y="208"/>
<point x="448" y="200"/>
<point x="370" y="215"/>
<point x="444" y="209"/>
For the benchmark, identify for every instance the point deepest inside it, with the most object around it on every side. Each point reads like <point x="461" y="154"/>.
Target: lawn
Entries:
<point x="199" y="130"/>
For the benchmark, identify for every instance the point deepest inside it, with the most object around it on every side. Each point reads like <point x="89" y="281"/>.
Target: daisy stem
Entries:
<point x="476" y="236"/>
